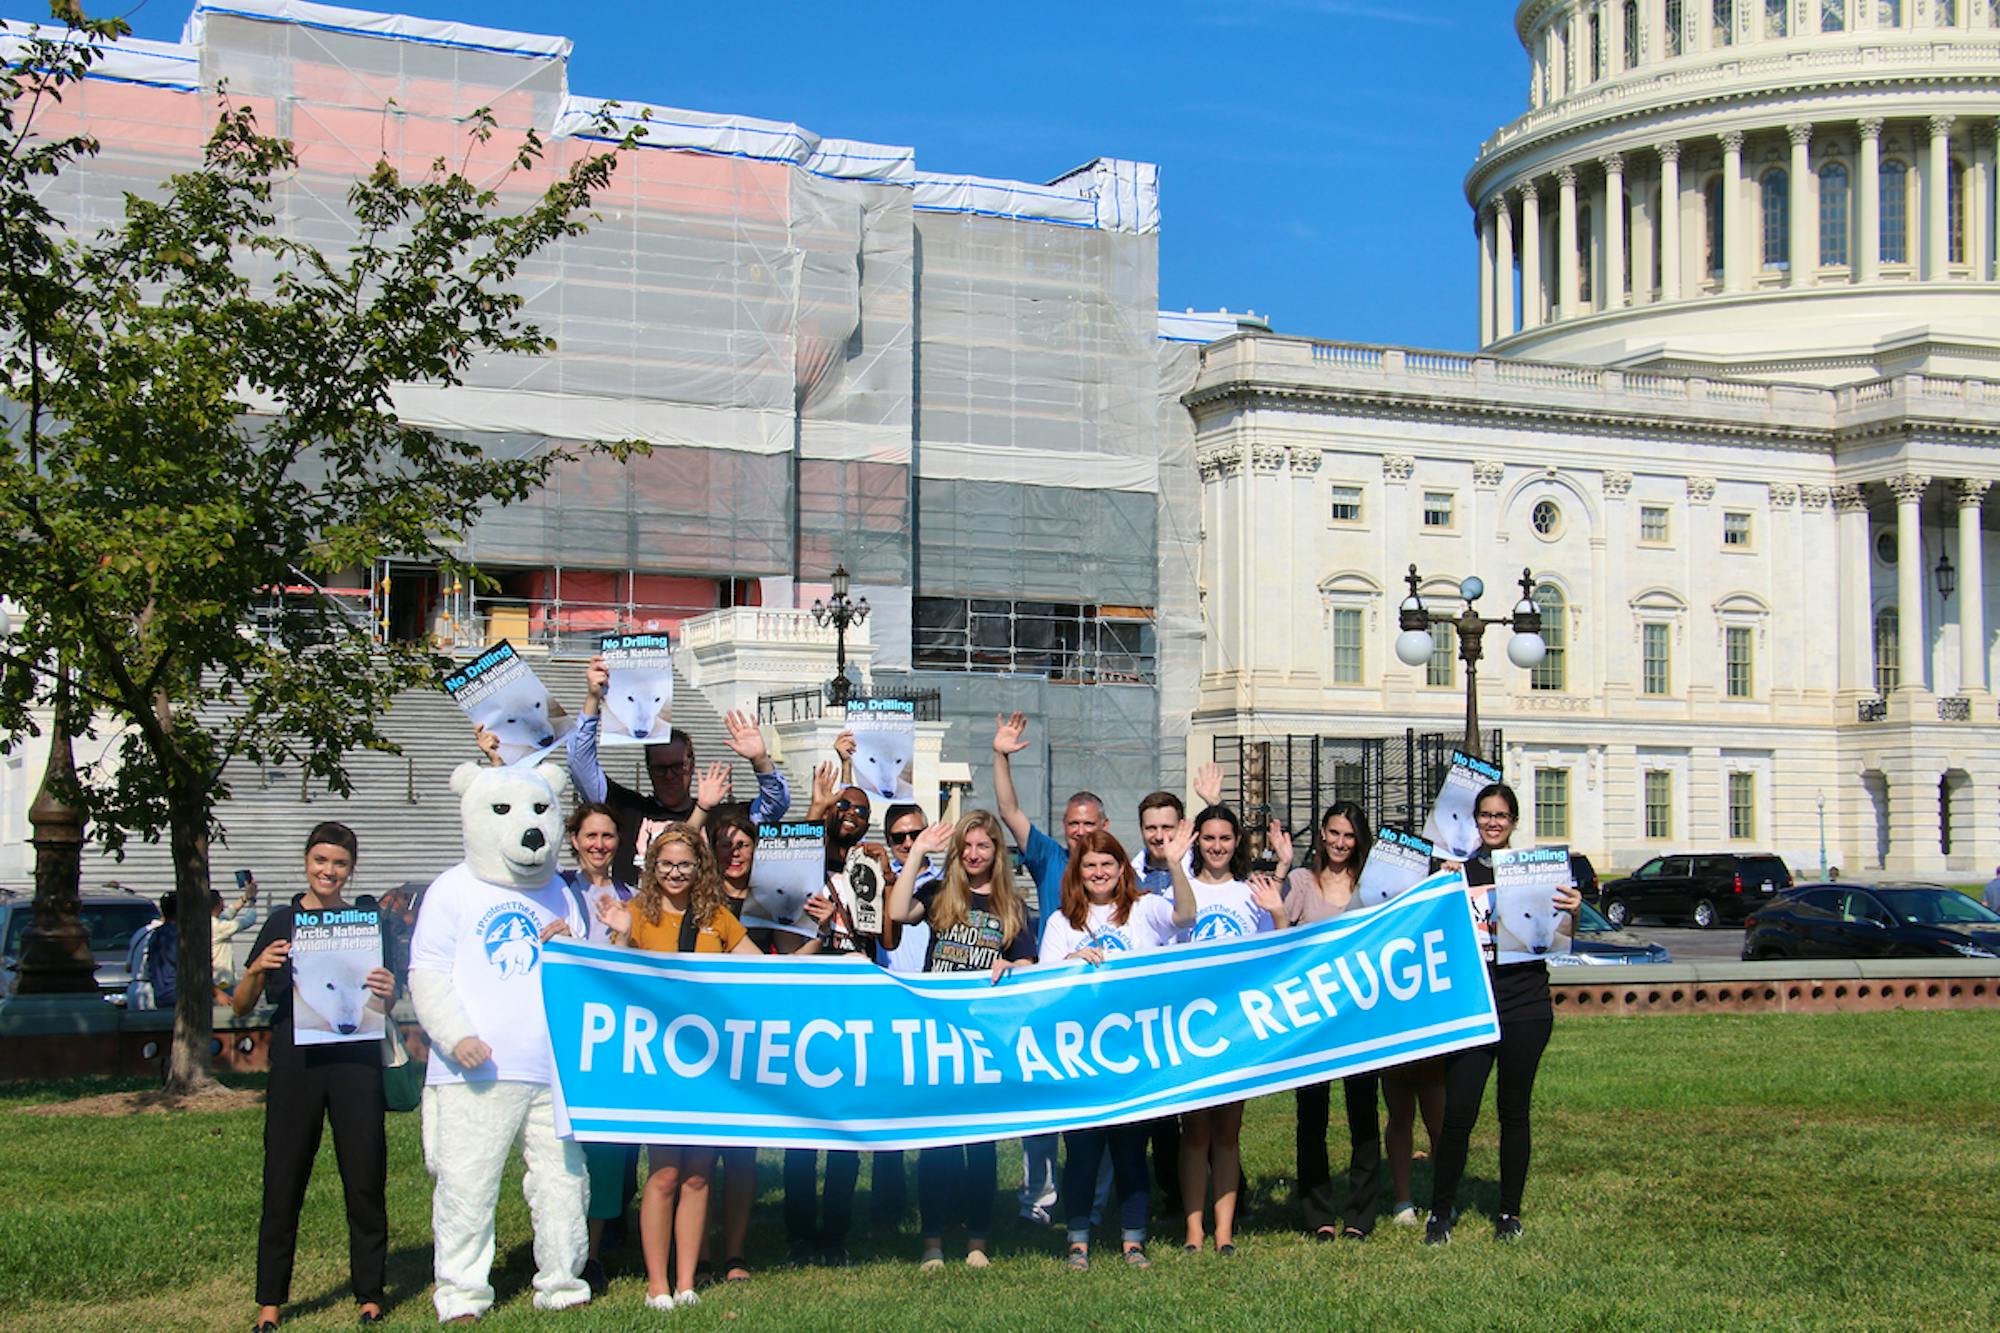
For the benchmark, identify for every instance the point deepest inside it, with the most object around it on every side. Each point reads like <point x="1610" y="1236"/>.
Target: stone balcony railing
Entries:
<point x="740" y="653"/>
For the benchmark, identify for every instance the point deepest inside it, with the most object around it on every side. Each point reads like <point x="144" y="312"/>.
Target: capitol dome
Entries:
<point x="1799" y="189"/>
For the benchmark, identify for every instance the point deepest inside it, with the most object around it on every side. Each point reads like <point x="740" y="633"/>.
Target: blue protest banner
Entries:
<point x="777" y="1052"/>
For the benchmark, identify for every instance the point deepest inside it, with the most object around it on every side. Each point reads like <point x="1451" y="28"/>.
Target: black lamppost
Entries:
<point x="1526" y="649"/>
<point x="839" y="613"/>
<point x="55" y="948"/>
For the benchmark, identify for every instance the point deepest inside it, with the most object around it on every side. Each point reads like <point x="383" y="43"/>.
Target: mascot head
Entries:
<point x="513" y="821"/>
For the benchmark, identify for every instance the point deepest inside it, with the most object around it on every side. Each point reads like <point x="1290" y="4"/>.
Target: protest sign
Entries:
<point x="501" y="692"/>
<point x="1396" y="862"/>
<point x="790" y="868"/>
<point x="776" y="1052"/>
<point x="332" y="954"/>
<point x="866" y="890"/>
<point x="1526" y="925"/>
<point x="885" y="747"/>
<point x="1451" y="829"/>
<point x="639" y="696"/>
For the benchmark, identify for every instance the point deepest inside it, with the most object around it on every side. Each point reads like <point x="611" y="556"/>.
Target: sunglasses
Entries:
<point x="845" y="804"/>
<point x="907" y="835"/>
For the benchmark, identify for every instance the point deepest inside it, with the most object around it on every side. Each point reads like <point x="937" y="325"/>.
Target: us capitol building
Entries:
<point x="1736" y="406"/>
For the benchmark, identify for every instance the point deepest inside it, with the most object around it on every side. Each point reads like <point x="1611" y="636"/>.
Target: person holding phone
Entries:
<point x="1527" y="1018"/>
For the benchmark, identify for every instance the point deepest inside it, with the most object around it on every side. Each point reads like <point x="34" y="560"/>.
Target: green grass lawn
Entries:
<point x="1697" y="1172"/>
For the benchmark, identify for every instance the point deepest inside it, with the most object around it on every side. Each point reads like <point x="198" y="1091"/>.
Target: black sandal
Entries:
<point x="733" y="1265"/>
<point x="264" y="1326"/>
<point x="704" y="1274"/>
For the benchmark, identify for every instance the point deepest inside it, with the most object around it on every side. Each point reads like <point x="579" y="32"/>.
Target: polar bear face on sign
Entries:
<point x="882" y="763"/>
<point x="1457" y="831"/>
<point x="513" y="822"/>
<point x="519" y="715"/>
<point x="640" y="701"/>
<point x="1530" y="930"/>
<point x="335" y="990"/>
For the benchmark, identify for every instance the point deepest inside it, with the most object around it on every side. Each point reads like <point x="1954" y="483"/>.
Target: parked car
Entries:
<point x="109" y="918"/>
<point x="1705" y="888"/>
<point x="1872" y="921"/>
<point x="1598" y="942"/>
<point x="1584" y="875"/>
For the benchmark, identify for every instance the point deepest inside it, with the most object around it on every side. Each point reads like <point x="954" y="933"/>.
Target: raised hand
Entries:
<point x="596" y="678"/>
<point x="1266" y="892"/>
<point x="488" y="743"/>
<point x="934" y="839"/>
<point x="746" y="737"/>
<point x="1010" y="733"/>
<point x="1281" y="843"/>
<point x="843" y="745"/>
<point x="616" y="916"/>
<point x="1179" y="841"/>
<point x="1208" y="785"/>
<point x="713" y="787"/>
<point x="822" y="791"/>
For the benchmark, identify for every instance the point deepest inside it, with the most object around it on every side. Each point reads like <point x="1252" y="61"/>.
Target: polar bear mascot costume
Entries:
<point x="476" y="980"/>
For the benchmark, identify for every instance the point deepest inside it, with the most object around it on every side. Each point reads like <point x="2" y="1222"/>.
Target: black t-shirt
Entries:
<point x="974" y="944"/>
<point x="1520" y="990"/>
<point x="640" y="819"/>
<point x="278" y="989"/>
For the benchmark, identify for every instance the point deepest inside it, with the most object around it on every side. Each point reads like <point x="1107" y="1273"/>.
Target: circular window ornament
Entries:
<point x="1547" y="519"/>
<point x="1885" y="547"/>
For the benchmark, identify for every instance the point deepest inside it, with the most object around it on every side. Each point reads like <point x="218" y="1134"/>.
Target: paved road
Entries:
<point x="1688" y="945"/>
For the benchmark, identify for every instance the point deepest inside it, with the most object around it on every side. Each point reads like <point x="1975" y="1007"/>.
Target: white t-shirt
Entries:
<point x="1225" y="911"/>
<point x="1150" y="926"/>
<point x="489" y="940"/>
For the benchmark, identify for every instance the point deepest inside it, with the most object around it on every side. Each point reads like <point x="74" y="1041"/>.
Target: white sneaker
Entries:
<point x="1036" y="1214"/>
<point x="1406" y="1215"/>
<point x="688" y="1297"/>
<point x="662" y="1302"/>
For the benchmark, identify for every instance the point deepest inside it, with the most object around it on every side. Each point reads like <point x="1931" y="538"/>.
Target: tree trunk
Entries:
<point x="194" y="1004"/>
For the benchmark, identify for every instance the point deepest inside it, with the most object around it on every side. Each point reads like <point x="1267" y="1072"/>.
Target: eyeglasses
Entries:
<point x="1494" y="817"/>
<point x="845" y="804"/>
<point x="675" y="869"/>
<point x="907" y="835"/>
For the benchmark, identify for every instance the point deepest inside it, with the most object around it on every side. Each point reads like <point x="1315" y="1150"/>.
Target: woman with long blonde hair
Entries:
<point x="678" y="908"/>
<point x="978" y="924"/>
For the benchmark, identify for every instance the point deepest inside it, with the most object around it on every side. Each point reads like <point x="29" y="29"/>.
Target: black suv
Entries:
<point x="1704" y="888"/>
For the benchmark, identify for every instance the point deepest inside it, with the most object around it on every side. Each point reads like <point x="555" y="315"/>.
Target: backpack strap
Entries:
<point x="690" y="930"/>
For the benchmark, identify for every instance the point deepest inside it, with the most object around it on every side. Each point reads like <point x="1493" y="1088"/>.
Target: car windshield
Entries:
<point x="1937" y="907"/>
<point x="1589" y="919"/>
<point x="110" y="925"/>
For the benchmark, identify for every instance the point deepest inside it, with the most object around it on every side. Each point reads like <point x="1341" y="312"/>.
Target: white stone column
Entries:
<point x="1614" y="231"/>
<point x="1531" y="257"/>
<point x="1937" y="212"/>
<point x="1485" y="237"/>
<point x="1503" y="267"/>
<point x="1867" y="201"/>
<point x="1979" y="206"/>
<point x="1566" y="248"/>
<point x="1804" y="217"/>
<point x="1911" y="642"/>
<point x="1971" y="588"/>
<point x="1735" y="265"/>
<point x="1670" y="221"/>
<point x="1857" y="621"/>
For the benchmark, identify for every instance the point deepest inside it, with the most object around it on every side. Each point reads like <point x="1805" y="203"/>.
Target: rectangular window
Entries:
<point x="1631" y="34"/>
<point x="1888" y="13"/>
<point x="1673" y="26"/>
<point x="1596" y="46"/>
<point x="1659" y="803"/>
<point x="1551" y="803"/>
<point x="1346" y="645"/>
<point x="1442" y="669"/>
<point x="1833" y="15"/>
<point x="1736" y="653"/>
<point x="1736" y="529"/>
<point x="1833" y="223"/>
<point x="1895" y="199"/>
<point x="1742" y="806"/>
<point x="1346" y="504"/>
<point x="1653" y="523"/>
<point x="1723" y="17"/>
<point x="1437" y="509"/>
<point x="1776" y="17"/>
<point x="1888" y="653"/>
<point x="1350" y="783"/>
<point x="1656" y="675"/>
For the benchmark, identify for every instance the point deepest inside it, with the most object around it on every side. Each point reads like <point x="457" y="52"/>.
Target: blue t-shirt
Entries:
<point x="1047" y="860"/>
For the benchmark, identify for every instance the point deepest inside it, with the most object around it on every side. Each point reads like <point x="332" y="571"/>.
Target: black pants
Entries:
<point x="888" y="1189"/>
<point x="1519" y="1054"/>
<point x="956" y="1185"/>
<point x="304" y="1094"/>
<point x="1366" y="1174"/>
<point x="1166" y="1134"/>
<point x="806" y="1223"/>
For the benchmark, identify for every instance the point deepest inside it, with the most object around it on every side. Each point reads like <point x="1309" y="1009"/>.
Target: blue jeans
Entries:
<point x="1127" y="1146"/>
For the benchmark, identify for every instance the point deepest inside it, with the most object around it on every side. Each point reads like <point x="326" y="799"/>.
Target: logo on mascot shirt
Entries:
<point x="1111" y="941"/>
<point x="513" y="941"/>
<point x="1216" y="925"/>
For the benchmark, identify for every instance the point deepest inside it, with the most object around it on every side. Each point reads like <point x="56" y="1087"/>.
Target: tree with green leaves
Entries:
<point x="199" y="412"/>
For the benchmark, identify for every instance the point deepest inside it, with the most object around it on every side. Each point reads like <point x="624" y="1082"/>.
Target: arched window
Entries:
<point x="1774" y="191"/>
<point x="1954" y="212"/>
<point x="1833" y="204"/>
<point x="1895" y="213"/>
<point x="1586" y="254"/>
<point x="1552" y="672"/>
<point x="1777" y="17"/>
<point x="1712" y="197"/>
<point x="1888" y="658"/>
<point x="1833" y="15"/>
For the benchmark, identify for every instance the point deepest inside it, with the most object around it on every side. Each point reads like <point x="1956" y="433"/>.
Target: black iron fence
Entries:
<point x="810" y="705"/>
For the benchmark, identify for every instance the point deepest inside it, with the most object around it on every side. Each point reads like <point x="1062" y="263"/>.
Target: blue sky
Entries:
<point x="1311" y="151"/>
